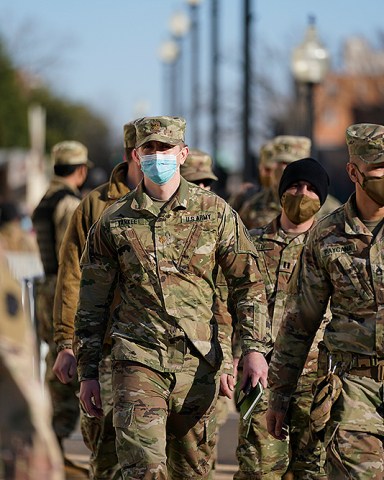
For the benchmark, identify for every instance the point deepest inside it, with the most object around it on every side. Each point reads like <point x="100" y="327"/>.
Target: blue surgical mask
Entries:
<point x="159" y="167"/>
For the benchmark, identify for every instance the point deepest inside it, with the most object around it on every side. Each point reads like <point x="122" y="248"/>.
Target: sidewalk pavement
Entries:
<point x="78" y="453"/>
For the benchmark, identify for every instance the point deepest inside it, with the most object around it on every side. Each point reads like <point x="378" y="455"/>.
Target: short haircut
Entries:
<point x="66" y="170"/>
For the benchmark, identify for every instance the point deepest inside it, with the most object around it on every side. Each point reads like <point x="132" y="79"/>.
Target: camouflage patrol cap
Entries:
<point x="197" y="166"/>
<point x="288" y="148"/>
<point x="70" y="152"/>
<point x="162" y="129"/>
<point x="366" y="140"/>
<point x="129" y="135"/>
<point x="266" y="154"/>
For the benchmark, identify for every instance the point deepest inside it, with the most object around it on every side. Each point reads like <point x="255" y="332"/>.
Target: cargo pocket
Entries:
<point x="335" y="461"/>
<point x="128" y="445"/>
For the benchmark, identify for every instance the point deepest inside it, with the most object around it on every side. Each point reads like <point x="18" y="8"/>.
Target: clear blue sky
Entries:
<point x="105" y="53"/>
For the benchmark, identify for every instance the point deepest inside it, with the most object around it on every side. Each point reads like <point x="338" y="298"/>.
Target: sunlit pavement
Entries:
<point x="78" y="453"/>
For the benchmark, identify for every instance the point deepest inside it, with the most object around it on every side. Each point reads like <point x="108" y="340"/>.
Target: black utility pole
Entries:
<point x="215" y="78"/>
<point x="195" y="74"/>
<point x="249" y="167"/>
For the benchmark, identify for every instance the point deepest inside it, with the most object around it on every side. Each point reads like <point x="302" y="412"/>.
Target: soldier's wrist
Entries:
<point x="279" y="402"/>
<point x="64" y="346"/>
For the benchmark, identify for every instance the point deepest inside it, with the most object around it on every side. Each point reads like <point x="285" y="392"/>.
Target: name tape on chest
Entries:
<point x="127" y="222"/>
<point x="348" y="248"/>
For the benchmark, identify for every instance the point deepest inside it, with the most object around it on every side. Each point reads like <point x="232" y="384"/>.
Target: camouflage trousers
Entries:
<point x="65" y="402"/>
<point x="99" y="433"/>
<point x="354" y="436"/>
<point x="260" y="456"/>
<point x="165" y="422"/>
<point x="64" y="397"/>
<point x="221" y="414"/>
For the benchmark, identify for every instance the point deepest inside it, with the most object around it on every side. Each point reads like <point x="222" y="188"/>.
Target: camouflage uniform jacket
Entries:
<point x="265" y="205"/>
<point x="342" y="262"/>
<point x="164" y="262"/>
<point x="68" y="279"/>
<point x="260" y="209"/>
<point x="277" y="256"/>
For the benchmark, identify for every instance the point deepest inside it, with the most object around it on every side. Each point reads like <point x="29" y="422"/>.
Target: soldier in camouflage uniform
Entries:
<point x="264" y="206"/>
<point x="266" y="168"/>
<point x="161" y="243"/>
<point x="50" y="220"/>
<point x="342" y="262"/>
<point x="28" y="447"/>
<point x="302" y="190"/>
<point x="99" y="434"/>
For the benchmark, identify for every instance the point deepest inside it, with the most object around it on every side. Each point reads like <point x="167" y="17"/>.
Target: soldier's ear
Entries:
<point x="183" y="154"/>
<point x="135" y="156"/>
<point x="352" y="172"/>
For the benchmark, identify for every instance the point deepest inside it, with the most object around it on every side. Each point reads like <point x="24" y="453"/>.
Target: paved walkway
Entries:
<point x="78" y="453"/>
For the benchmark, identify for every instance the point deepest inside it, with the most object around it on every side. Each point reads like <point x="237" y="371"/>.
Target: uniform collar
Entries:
<point x="117" y="186"/>
<point x="274" y="232"/>
<point x="353" y="224"/>
<point x="58" y="181"/>
<point x="142" y="201"/>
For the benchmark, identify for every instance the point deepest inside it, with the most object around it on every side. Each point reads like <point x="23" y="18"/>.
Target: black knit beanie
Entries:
<point x="307" y="170"/>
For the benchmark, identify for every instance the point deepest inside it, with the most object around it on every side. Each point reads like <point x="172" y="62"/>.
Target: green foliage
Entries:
<point x="64" y="119"/>
<point x="13" y="105"/>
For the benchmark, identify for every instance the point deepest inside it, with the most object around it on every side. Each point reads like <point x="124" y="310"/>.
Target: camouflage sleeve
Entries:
<point x="236" y="254"/>
<point x="302" y="318"/>
<point x="68" y="278"/>
<point x="99" y="265"/>
<point x="224" y="321"/>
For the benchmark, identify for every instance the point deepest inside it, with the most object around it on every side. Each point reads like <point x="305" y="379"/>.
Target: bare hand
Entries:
<point x="255" y="367"/>
<point x="90" y="398"/>
<point x="227" y="384"/>
<point x="275" y="424"/>
<point x="235" y="367"/>
<point x="65" y="366"/>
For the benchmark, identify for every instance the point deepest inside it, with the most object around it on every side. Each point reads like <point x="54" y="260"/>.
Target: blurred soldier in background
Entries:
<point x="197" y="169"/>
<point x="266" y="167"/>
<point x="264" y="206"/>
<point x="343" y="263"/>
<point x="28" y="447"/>
<point x="302" y="190"/>
<point x="50" y="220"/>
<point x="98" y="433"/>
<point x="12" y="235"/>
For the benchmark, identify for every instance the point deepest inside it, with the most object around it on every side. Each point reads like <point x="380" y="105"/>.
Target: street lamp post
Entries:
<point x="310" y="64"/>
<point x="168" y="53"/>
<point x="179" y="26"/>
<point x="195" y="70"/>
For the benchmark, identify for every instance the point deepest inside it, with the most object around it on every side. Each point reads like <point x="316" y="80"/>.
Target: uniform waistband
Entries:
<point x="357" y="364"/>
